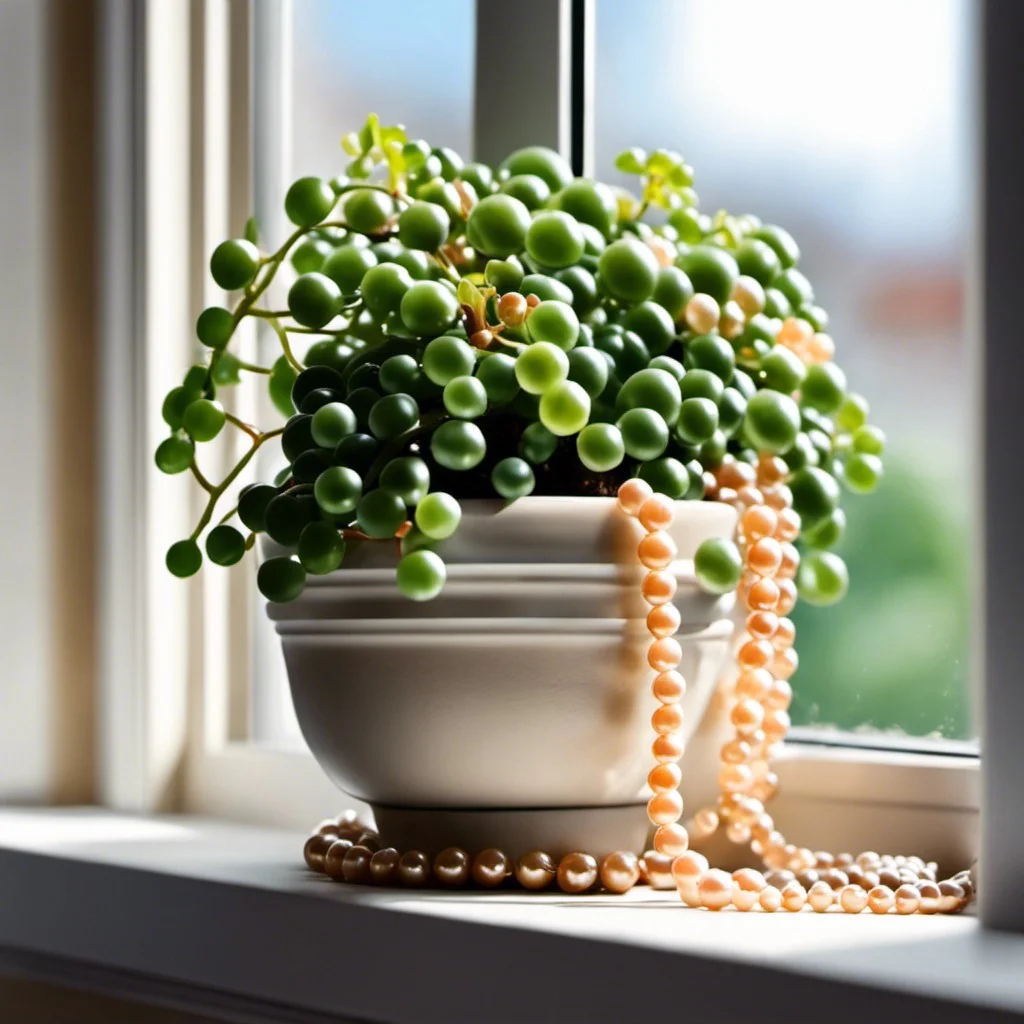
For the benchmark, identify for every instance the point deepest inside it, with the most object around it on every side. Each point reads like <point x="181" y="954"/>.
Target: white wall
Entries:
<point x="25" y="573"/>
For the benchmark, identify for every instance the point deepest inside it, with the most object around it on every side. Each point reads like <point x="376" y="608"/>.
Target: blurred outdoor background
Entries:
<point x="847" y="124"/>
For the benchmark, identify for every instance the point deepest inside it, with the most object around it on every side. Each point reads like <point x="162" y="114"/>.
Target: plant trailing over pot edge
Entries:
<point x="472" y="332"/>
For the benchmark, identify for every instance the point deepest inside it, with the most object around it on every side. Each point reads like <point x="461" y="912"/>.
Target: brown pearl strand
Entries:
<point x="797" y="877"/>
<point x="347" y="850"/>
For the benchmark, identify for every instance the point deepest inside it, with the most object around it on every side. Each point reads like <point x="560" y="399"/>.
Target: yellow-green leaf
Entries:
<point x="677" y="177"/>
<point x="471" y="296"/>
<point x="393" y="133"/>
<point x="659" y="162"/>
<point x="625" y="204"/>
<point x="369" y="134"/>
<point x="396" y="164"/>
<point x="631" y="161"/>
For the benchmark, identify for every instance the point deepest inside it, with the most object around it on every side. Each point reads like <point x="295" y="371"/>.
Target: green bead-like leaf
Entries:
<point x="369" y="134"/>
<point x="366" y="137"/>
<point x="226" y="370"/>
<point x="396" y="164"/>
<point x="631" y="161"/>
<point x="416" y="153"/>
<point x="394" y="133"/>
<point x="359" y="168"/>
<point x="279" y="383"/>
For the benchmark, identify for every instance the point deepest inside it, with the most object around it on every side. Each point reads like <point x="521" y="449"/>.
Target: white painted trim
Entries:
<point x="272" y="144"/>
<point x="263" y="785"/>
<point x="836" y="798"/>
<point x="26" y="415"/>
<point x="121" y="530"/>
<point x="880" y="777"/>
<point x="169" y="332"/>
<point x="272" y="22"/>
<point x="145" y="341"/>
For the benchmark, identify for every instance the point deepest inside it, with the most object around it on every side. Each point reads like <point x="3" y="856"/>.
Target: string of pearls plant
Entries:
<point x="797" y="878"/>
<point x="453" y="331"/>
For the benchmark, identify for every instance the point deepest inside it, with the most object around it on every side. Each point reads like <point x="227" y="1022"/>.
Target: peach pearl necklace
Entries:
<point x="797" y="878"/>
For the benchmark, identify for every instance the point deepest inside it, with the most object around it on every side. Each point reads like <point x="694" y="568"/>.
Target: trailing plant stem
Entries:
<point x="217" y="492"/>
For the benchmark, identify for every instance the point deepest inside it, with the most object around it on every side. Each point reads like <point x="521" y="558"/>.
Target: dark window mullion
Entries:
<point x="581" y="87"/>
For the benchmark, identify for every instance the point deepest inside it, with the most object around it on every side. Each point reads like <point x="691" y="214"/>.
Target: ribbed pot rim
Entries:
<point x="502" y="572"/>
<point x="593" y="503"/>
<point x="563" y="534"/>
<point x="517" y="626"/>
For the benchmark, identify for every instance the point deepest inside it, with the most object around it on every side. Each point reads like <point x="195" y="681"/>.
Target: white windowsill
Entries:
<point x="831" y="797"/>
<point x="224" y="918"/>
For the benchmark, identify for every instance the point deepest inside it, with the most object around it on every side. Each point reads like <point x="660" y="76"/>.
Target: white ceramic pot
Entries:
<point x="514" y="709"/>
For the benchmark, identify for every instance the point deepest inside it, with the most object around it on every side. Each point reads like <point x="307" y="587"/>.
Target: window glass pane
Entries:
<point x="410" y="62"/>
<point x="849" y="125"/>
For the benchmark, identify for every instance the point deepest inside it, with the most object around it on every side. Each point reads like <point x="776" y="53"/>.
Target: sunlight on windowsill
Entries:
<point x="46" y="831"/>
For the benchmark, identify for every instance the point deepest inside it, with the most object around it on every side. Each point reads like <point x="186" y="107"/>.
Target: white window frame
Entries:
<point x="27" y="693"/>
<point x="174" y="727"/>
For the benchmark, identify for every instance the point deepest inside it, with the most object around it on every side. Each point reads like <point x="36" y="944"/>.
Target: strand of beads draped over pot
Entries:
<point x="656" y="552"/>
<point x="797" y="878"/>
<point x="766" y="659"/>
